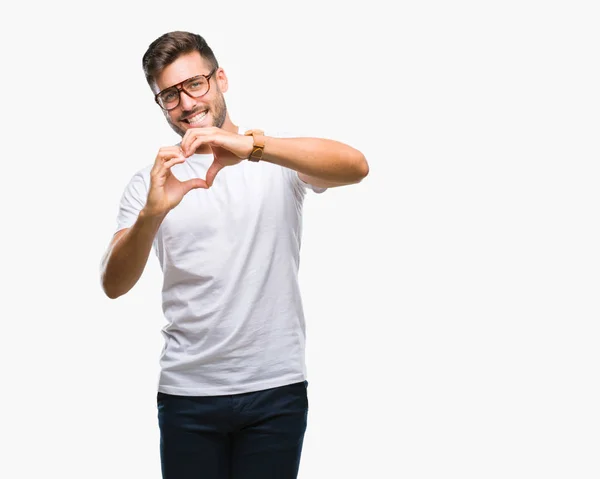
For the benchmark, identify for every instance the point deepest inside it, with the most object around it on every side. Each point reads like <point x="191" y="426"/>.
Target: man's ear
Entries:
<point x="222" y="80"/>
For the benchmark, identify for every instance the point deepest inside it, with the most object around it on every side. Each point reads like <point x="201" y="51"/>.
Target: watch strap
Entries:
<point x="259" y="144"/>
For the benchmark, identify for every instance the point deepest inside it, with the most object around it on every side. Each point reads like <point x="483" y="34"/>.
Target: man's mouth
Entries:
<point x="197" y="119"/>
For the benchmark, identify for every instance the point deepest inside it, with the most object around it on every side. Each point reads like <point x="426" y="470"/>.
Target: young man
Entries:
<point x="232" y="399"/>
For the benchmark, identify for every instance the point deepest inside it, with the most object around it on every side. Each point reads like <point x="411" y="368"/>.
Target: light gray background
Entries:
<point x="451" y="298"/>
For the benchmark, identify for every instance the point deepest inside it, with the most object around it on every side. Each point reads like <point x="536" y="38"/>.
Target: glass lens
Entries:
<point x="196" y="86"/>
<point x="169" y="98"/>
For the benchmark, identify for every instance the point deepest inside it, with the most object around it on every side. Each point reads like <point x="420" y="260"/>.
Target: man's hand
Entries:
<point x="228" y="148"/>
<point x="166" y="191"/>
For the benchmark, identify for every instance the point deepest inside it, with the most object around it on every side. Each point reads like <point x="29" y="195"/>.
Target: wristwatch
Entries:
<point x="259" y="144"/>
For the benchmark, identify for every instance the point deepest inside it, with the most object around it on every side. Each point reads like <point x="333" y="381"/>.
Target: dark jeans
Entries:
<point x="241" y="436"/>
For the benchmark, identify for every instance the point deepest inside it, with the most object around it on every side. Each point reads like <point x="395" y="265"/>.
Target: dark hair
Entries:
<point x="168" y="47"/>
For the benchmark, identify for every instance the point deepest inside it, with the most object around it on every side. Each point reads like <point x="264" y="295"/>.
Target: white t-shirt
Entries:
<point x="230" y="258"/>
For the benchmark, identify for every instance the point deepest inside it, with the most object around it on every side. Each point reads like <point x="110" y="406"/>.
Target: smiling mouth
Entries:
<point x="194" y="120"/>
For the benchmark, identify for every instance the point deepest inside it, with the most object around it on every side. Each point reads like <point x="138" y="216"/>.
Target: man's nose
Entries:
<point x="186" y="102"/>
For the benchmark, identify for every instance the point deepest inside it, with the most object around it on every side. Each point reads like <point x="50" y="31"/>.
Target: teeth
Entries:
<point x="197" y="118"/>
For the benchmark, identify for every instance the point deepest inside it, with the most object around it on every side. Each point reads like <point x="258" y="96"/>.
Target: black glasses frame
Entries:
<point x="179" y="87"/>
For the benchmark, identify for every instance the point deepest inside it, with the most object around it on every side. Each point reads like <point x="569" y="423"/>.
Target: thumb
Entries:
<point x="212" y="172"/>
<point x="193" y="184"/>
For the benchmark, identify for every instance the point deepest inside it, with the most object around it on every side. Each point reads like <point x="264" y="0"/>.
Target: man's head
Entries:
<point x="183" y="72"/>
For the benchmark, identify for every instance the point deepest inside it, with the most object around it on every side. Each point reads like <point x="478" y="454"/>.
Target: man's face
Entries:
<point x="208" y="110"/>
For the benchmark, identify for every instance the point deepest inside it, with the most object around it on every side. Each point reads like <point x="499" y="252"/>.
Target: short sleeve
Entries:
<point x="316" y="189"/>
<point x="133" y="200"/>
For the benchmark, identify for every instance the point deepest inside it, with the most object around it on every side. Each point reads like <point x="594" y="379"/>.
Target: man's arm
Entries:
<point x="319" y="162"/>
<point x="127" y="255"/>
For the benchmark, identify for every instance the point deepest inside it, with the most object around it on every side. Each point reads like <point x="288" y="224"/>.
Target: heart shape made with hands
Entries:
<point x="221" y="159"/>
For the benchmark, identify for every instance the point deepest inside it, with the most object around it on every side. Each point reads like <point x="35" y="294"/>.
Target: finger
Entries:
<point x="192" y="146"/>
<point x="173" y="161"/>
<point x="193" y="184"/>
<point x="198" y="142"/>
<point x="168" y="152"/>
<point x="194" y="133"/>
<point x="162" y="169"/>
<point x="212" y="171"/>
<point x="188" y="138"/>
<point x="164" y="154"/>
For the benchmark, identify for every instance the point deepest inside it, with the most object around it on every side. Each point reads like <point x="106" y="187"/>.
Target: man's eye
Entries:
<point x="169" y="96"/>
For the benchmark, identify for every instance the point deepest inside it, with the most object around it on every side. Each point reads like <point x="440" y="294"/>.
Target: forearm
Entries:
<point x="126" y="259"/>
<point x="321" y="158"/>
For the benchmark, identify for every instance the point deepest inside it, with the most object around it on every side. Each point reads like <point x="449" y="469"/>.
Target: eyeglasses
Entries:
<point x="195" y="87"/>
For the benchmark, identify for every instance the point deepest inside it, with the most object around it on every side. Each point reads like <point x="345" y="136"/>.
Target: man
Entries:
<point x="232" y="399"/>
